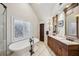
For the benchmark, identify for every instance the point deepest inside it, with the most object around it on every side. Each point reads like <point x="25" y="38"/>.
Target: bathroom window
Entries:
<point x="20" y="29"/>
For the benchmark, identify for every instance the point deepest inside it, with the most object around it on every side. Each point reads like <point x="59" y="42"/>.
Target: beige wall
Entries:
<point x="23" y="12"/>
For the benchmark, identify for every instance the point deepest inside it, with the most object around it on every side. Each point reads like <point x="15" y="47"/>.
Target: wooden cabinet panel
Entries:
<point x="50" y="43"/>
<point x="64" y="52"/>
<point x="73" y="53"/>
<point x="62" y="49"/>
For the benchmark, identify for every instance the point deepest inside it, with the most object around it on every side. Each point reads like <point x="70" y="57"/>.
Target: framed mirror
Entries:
<point x="71" y="24"/>
<point x="71" y="28"/>
<point x="55" y="20"/>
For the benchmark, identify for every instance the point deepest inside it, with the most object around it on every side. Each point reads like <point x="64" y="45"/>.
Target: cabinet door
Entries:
<point x="59" y="49"/>
<point x="53" y="44"/>
<point x="64" y="52"/>
<point x="50" y="42"/>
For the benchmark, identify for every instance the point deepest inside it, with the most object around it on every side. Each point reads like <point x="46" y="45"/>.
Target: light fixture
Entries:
<point x="68" y="5"/>
<point x="77" y="15"/>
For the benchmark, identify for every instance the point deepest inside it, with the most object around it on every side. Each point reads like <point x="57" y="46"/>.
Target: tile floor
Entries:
<point x="39" y="50"/>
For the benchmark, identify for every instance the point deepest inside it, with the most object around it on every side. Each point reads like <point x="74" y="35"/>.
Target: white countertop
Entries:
<point x="63" y="40"/>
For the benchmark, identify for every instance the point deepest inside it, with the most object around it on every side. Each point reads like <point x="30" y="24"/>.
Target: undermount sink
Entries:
<point x="69" y="39"/>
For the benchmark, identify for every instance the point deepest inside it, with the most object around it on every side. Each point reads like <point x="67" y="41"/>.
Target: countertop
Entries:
<point x="64" y="40"/>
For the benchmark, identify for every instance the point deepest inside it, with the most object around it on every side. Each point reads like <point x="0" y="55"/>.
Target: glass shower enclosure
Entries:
<point x="3" y="30"/>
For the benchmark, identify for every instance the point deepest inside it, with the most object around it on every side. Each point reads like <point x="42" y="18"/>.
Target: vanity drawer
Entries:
<point x="73" y="52"/>
<point x="73" y="47"/>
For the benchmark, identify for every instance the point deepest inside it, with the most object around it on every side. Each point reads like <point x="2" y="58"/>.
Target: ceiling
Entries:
<point x="43" y="10"/>
<point x="46" y="10"/>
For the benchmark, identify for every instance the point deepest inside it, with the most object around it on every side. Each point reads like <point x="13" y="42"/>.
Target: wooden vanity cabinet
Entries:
<point x="61" y="49"/>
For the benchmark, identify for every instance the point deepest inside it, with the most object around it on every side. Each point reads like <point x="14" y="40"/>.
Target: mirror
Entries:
<point x="55" y="20"/>
<point x="71" y="27"/>
<point x="71" y="24"/>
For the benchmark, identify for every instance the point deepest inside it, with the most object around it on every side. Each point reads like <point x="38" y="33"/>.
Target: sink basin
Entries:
<point x="69" y="39"/>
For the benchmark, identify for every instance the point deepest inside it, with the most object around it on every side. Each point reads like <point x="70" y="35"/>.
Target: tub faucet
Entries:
<point x="31" y="46"/>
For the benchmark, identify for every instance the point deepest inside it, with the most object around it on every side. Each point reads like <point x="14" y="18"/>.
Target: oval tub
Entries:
<point x="21" y="44"/>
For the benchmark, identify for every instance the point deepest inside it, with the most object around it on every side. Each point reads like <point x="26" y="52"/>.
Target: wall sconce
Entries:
<point x="68" y="5"/>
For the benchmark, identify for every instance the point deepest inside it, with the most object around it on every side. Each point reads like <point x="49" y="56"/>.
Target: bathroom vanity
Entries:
<point x="63" y="47"/>
<point x="65" y="24"/>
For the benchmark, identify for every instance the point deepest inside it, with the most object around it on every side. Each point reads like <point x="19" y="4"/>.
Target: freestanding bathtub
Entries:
<point x="19" y="45"/>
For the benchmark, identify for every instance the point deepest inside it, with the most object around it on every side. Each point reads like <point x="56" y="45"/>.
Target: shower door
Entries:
<point x="3" y="31"/>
